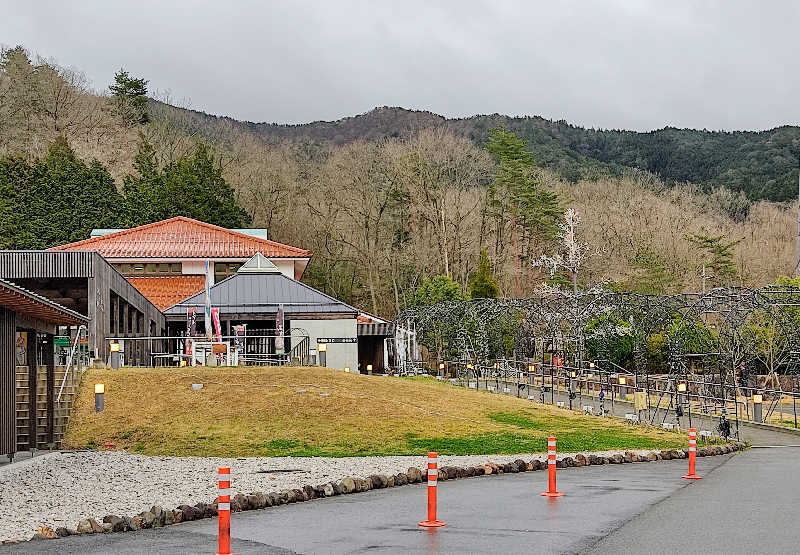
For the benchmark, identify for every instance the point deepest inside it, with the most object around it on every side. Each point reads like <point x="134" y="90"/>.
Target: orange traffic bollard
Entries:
<point x="692" y="455"/>
<point x="224" y="511"/>
<point x="551" y="469"/>
<point x="433" y="474"/>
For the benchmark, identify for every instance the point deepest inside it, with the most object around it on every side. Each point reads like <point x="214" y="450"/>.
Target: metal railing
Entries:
<point x="71" y="360"/>
<point x="706" y="396"/>
<point x="255" y="349"/>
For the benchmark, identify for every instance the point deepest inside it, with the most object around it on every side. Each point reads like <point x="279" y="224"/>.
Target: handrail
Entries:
<point x="69" y="361"/>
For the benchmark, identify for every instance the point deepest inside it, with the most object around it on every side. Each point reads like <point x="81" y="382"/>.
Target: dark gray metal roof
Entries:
<point x="260" y="294"/>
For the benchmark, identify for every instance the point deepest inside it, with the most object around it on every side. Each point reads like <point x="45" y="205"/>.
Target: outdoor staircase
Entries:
<point x="61" y="413"/>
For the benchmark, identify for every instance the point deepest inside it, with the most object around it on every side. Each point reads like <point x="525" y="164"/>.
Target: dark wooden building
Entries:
<point x="28" y="411"/>
<point x="85" y="283"/>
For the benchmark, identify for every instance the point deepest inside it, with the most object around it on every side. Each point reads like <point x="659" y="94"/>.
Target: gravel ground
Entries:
<point x="59" y="489"/>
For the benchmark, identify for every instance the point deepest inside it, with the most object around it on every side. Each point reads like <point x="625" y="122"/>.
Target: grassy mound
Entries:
<point x="319" y="412"/>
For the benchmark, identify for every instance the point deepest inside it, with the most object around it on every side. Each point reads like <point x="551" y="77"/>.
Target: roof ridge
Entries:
<point x="116" y="234"/>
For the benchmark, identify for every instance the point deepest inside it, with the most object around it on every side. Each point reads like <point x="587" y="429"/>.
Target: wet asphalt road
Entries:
<point x="749" y="505"/>
<point x="497" y="514"/>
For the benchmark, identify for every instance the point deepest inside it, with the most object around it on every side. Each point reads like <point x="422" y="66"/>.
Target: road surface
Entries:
<point x="494" y="514"/>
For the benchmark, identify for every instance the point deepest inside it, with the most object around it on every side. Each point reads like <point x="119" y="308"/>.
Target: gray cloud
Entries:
<point x="612" y="64"/>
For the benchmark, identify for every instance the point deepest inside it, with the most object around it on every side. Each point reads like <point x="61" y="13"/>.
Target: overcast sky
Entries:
<point x="611" y="64"/>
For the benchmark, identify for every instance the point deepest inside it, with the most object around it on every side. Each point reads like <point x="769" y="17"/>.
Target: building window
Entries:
<point x="225" y="269"/>
<point x="149" y="269"/>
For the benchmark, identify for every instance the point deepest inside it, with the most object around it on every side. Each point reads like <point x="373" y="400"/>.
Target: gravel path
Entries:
<point x="60" y="489"/>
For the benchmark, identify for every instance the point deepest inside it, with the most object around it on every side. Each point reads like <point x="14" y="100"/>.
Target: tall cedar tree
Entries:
<point x="518" y="189"/>
<point x="55" y="200"/>
<point x="130" y="98"/>
<point x="482" y="284"/>
<point x="517" y="197"/>
<point x="192" y="186"/>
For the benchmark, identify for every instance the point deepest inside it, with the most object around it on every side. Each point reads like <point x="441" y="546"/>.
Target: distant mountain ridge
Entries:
<point x="763" y="164"/>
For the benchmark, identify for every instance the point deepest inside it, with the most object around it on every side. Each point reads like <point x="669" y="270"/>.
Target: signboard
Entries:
<point x="239" y="335"/>
<point x="61" y="341"/>
<point x="337" y="340"/>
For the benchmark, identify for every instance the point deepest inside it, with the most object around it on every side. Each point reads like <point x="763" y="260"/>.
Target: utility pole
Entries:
<point x="797" y="239"/>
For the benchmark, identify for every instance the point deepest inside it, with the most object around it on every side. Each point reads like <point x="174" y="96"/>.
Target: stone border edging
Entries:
<point x="157" y="517"/>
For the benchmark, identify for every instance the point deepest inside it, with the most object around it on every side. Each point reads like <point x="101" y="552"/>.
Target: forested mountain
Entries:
<point x="396" y="203"/>
<point x="762" y="164"/>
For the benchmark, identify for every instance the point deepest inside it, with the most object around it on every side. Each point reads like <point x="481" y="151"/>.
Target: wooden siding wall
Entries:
<point x="102" y="280"/>
<point x="8" y="413"/>
<point x="105" y="280"/>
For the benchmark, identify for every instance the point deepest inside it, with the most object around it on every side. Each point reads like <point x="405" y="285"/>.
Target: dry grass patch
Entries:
<point x="274" y="411"/>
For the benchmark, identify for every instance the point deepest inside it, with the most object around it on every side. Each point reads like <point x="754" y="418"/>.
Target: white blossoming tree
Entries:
<point x="573" y="253"/>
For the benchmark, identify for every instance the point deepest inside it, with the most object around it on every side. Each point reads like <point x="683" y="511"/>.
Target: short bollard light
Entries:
<point x="115" y="354"/>
<point x="757" y="408"/>
<point x="433" y="475"/>
<point x="99" y="393"/>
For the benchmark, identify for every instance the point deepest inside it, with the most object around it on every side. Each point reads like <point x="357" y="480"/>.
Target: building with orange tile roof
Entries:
<point x="166" y="260"/>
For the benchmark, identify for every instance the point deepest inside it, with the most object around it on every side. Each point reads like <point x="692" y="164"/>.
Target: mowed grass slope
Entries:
<point x="274" y="411"/>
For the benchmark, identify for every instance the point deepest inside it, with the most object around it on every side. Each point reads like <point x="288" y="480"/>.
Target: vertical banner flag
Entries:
<point x="279" y="343"/>
<point x="208" y="301"/>
<point x="217" y="327"/>
<point x="191" y="327"/>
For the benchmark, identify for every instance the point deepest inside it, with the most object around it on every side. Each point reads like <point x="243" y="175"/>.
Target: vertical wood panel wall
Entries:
<point x="8" y="416"/>
<point x="101" y="280"/>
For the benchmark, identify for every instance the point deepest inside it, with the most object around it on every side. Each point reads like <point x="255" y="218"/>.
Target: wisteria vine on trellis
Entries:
<point x="726" y="330"/>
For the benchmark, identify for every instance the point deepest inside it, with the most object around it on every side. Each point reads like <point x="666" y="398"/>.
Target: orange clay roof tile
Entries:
<point x="182" y="237"/>
<point x="165" y="291"/>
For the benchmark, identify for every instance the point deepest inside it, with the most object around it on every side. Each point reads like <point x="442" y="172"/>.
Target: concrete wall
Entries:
<point x="195" y="267"/>
<point x="198" y="267"/>
<point x="338" y="355"/>
<point x="285" y="266"/>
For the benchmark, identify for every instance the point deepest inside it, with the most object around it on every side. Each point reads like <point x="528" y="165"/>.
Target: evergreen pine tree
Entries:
<point x="130" y="98"/>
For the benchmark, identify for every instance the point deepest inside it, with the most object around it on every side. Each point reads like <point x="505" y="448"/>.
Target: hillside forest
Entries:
<point x="398" y="206"/>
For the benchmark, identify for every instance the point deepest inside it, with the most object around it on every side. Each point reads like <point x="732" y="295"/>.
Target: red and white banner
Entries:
<point x="217" y="327"/>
